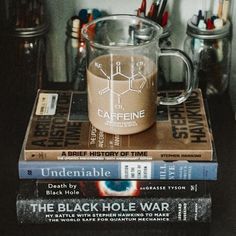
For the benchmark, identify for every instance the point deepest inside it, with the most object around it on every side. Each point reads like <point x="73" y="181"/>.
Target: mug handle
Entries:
<point x="189" y="84"/>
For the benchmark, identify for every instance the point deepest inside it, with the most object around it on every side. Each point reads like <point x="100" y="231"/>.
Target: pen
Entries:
<point x="96" y="13"/>
<point x="83" y="16"/>
<point x="143" y="7"/>
<point x="220" y="8"/>
<point x="213" y="18"/>
<point x="209" y="24"/>
<point x="161" y="10"/>
<point x="153" y="11"/>
<point x="194" y="20"/>
<point x="165" y="19"/>
<point x="225" y="10"/>
<point x="75" y="32"/>
<point x="199" y="16"/>
<point x="215" y="7"/>
<point x="201" y="24"/>
<point x="218" y="23"/>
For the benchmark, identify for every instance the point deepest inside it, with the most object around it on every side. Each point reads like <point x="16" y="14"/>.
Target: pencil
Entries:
<point x="225" y="10"/>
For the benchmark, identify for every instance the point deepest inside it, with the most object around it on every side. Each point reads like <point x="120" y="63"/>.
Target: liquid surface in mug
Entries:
<point x="122" y="93"/>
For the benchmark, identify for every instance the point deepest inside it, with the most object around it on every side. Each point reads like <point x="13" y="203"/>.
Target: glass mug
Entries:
<point x="122" y="67"/>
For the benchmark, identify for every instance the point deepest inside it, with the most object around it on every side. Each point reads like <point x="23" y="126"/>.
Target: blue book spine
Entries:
<point x="156" y="170"/>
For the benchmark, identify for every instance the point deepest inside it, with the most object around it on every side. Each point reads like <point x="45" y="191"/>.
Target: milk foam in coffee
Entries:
<point x="122" y="93"/>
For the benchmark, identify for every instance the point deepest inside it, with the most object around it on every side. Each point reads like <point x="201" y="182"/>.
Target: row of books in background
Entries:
<point x="71" y="172"/>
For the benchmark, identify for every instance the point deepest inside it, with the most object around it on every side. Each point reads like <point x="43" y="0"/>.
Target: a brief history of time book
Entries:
<point x="33" y="209"/>
<point x="114" y="188"/>
<point x="59" y="130"/>
<point x="117" y="170"/>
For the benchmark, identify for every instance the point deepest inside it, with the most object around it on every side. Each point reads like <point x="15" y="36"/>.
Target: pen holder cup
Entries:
<point x="210" y="52"/>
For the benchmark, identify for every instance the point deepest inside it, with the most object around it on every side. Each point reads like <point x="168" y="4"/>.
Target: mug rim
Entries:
<point x="157" y="27"/>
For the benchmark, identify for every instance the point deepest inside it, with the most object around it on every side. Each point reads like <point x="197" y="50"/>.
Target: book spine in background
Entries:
<point x="114" y="188"/>
<point x="39" y="210"/>
<point x="159" y="170"/>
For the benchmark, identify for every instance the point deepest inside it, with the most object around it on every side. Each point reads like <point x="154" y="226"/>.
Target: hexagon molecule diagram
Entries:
<point x="134" y="83"/>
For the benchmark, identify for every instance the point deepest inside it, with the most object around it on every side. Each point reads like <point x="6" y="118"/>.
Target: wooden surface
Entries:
<point x="15" y="113"/>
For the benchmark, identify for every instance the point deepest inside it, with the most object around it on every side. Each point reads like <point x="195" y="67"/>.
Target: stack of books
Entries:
<point x="71" y="172"/>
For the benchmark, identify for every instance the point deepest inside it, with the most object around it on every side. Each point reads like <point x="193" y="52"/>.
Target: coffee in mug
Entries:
<point x="122" y="93"/>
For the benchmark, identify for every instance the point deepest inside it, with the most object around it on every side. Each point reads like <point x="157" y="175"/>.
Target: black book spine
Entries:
<point x="41" y="210"/>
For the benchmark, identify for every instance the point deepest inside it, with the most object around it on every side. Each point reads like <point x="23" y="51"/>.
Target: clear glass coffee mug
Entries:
<point x="122" y="73"/>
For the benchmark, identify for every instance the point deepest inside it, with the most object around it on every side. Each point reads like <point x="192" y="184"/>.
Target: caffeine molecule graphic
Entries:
<point x="134" y="83"/>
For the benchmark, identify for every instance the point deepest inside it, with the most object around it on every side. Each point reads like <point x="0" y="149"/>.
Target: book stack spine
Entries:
<point x="113" y="201"/>
<point x="61" y="185"/>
